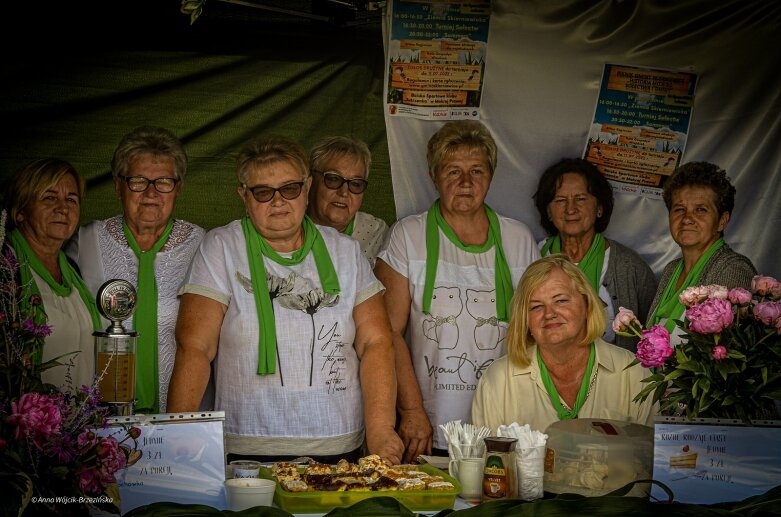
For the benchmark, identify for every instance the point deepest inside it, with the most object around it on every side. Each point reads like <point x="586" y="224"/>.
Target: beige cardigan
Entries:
<point x="507" y="394"/>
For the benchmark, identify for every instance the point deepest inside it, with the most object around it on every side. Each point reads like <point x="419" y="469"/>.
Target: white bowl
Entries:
<point x="243" y="493"/>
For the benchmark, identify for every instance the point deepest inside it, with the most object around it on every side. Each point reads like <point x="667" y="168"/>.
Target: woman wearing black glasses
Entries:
<point x="340" y="168"/>
<point x="292" y="316"/>
<point x="146" y="246"/>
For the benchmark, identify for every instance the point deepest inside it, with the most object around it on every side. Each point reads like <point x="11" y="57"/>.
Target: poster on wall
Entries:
<point x="436" y="58"/>
<point x="641" y="123"/>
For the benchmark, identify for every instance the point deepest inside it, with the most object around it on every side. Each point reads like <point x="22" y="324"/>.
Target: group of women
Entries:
<point x="327" y="334"/>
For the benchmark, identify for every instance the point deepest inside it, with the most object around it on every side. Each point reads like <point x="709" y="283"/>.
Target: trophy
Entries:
<point x="115" y="348"/>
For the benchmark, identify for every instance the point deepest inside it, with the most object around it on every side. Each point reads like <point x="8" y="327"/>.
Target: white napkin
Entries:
<point x="529" y="458"/>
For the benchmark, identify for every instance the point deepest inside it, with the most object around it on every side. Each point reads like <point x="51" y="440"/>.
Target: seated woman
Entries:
<point x="340" y="168"/>
<point x="557" y="366"/>
<point x="293" y="318"/>
<point x="146" y="246"/>
<point x="43" y="203"/>
<point x="699" y="199"/>
<point x="575" y="202"/>
<point x="449" y="274"/>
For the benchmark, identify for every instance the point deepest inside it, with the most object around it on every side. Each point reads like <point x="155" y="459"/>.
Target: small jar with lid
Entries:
<point x="499" y="468"/>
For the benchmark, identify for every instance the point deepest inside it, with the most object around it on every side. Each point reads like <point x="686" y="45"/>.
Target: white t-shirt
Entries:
<point x="313" y="401"/>
<point x="452" y="346"/>
<point x="102" y="253"/>
<point x="72" y="329"/>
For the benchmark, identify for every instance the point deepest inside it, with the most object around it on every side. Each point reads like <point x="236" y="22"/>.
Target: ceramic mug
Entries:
<point x="469" y="473"/>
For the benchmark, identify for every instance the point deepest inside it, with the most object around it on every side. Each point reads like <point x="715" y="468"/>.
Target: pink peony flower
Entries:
<point x="768" y="312"/>
<point x="739" y="296"/>
<point x="719" y="352"/>
<point x="89" y="481"/>
<point x="623" y="319"/>
<point x="711" y="316"/>
<point x="694" y="295"/>
<point x="766" y="286"/>
<point x="717" y="291"/>
<point x="654" y="348"/>
<point x="86" y="439"/>
<point x="111" y="459"/>
<point x="35" y="416"/>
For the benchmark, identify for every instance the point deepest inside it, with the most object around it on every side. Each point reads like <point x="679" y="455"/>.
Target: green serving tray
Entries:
<point x="324" y="501"/>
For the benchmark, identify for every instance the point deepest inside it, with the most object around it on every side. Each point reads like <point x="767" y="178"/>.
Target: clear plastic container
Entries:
<point x="592" y="457"/>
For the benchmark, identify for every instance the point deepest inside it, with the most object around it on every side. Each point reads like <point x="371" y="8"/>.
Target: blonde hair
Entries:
<point x="335" y="147"/>
<point x="519" y="337"/>
<point x="267" y="150"/>
<point x="32" y="180"/>
<point x="458" y="134"/>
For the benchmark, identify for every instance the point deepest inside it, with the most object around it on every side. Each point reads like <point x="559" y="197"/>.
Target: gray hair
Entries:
<point x="152" y="140"/>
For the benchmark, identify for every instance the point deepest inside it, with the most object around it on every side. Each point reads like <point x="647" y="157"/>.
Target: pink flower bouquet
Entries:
<point x="48" y="450"/>
<point x="728" y="364"/>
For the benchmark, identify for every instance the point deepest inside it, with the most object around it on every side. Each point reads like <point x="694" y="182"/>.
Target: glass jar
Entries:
<point x="499" y="469"/>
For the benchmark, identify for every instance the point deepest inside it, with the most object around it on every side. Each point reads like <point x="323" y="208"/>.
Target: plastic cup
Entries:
<point x="243" y="493"/>
<point x="245" y="468"/>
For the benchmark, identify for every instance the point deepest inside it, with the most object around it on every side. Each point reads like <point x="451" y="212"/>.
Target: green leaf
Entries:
<point x="17" y="491"/>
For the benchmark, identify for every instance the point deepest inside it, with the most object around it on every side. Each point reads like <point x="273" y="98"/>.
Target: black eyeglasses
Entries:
<point x="335" y="181"/>
<point x="140" y="183"/>
<point x="264" y="193"/>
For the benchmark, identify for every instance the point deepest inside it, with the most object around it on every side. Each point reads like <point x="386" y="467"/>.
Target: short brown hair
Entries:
<point x="456" y="134"/>
<point x="701" y="174"/>
<point x="268" y="149"/>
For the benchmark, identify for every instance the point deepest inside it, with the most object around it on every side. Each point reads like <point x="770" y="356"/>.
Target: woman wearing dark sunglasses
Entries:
<point x="340" y="168"/>
<point x="146" y="246"/>
<point x="294" y="316"/>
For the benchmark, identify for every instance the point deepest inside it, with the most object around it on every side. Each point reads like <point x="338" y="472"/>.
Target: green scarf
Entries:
<point x="145" y="322"/>
<point x="564" y="413"/>
<point x="670" y="306"/>
<point x="504" y="286"/>
<point x="28" y="261"/>
<point x="592" y="261"/>
<point x="350" y="227"/>
<point x="257" y="248"/>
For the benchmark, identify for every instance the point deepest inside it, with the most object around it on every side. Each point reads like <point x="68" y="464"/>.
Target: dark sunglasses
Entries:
<point x="140" y="183"/>
<point x="264" y="194"/>
<point x="335" y="181"/>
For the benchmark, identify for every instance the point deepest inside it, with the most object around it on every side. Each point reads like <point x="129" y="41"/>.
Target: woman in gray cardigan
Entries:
<point x="575" y="202"/>
<point x="699" y="199"/>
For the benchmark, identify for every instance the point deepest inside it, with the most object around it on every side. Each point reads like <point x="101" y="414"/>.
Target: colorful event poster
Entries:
<point x="436" y="58"/>
<point x="640" y="126"/>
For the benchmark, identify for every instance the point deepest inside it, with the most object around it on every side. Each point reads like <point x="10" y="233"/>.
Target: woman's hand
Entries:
<point x="414" y="427"/>
<point x="378" y="378"/>
<point x="416" y="433"/>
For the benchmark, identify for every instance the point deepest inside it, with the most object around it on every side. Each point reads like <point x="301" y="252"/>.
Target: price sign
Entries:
<point x="178" y="457"/>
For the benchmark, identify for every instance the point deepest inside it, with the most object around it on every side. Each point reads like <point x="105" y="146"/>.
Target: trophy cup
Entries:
<point x="115" y="348"/>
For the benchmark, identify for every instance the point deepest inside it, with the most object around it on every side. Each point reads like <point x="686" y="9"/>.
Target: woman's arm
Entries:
<point x="197" y="336"/>
<point x="414" y="428"/>
<point x="374" y="347"/>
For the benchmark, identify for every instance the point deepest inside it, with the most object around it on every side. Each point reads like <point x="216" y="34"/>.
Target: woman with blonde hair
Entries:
<point x="43" y="202"/>
<point x="557" y="366"/>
